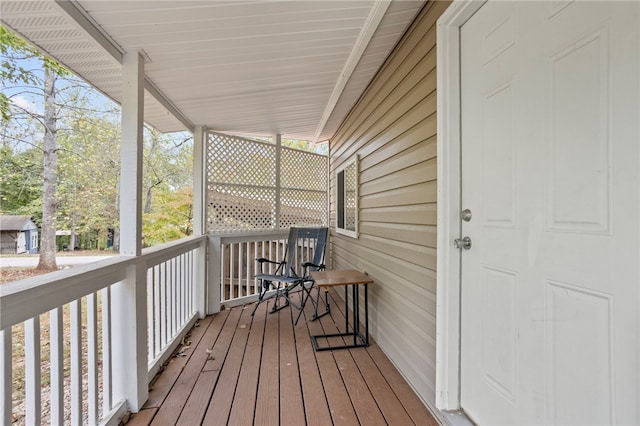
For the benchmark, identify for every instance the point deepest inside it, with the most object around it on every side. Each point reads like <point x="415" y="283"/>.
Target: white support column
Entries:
<point x="199" y="181"/>
<point x="278" y="141"/>
<point x="199" y="218"/>
<point x="131" y="155"/>
<point x="214" y="274"/>
<point x="129" y="301"/>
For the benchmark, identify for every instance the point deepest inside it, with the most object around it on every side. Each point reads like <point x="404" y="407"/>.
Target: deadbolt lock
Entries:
<point x="465" y="215"/>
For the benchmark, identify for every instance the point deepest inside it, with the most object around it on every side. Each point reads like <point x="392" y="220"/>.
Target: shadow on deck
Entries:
<point x="237" y="369"/>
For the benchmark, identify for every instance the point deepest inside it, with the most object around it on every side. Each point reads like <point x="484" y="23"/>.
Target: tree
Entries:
<point x="164" y="163"/>
<point x="88" y="173"/>
<point x="168" y="210"/>
<point x="171" y="220"/>
<point x="14" y="50"/>
<point x="48" y="233"/>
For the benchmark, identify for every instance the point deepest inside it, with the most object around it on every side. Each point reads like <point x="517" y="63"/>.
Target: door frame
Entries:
<point x="448" y="309"/>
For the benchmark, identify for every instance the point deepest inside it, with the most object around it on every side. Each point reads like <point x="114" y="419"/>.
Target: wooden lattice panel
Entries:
<point x="242" y="193"/>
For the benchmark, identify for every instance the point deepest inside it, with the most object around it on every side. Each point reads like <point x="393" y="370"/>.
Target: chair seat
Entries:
<point x="280" y="278"/>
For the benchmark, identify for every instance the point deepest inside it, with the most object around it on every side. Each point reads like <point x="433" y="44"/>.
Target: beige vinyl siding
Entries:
<point x="393" y="130"/>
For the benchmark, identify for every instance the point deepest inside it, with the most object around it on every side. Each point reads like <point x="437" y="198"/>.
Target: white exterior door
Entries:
<point x="550" y="161"/>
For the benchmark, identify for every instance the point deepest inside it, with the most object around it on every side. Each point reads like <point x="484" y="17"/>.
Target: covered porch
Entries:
<point x="230" y="68"/>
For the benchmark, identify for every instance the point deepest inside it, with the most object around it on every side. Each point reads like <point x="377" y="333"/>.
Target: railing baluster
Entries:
<point x="6" y="361"/>
<point x="107" y="391"/>
<point x="240" y="268"/>
<point x="92" y="357"/>
<point x="223" y="264"/>
<point x="185" y="287"/>
<point x="183" y="290"/>
<point x="33" y="374"/>
<point x="248" y="270"/>
<point x="76" y="362"/>
<point x="179" y="284"/>
<point x="175" y="302"/>
<point x="150" y="315"/>
<point x="191" y="287"/>
<point x="165" y="305"/>
<point x="157" y="309"/>
<point x="232" y="258"/>
<point x="179" y="299"/>
<point x="255" y="266"/>
<point x="56" y="366"/>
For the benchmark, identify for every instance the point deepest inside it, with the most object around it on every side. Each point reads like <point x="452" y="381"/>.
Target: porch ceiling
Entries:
<point x="245" y="67"/>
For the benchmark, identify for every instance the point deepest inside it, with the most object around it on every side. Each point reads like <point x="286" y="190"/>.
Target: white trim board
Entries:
<point x="448" y="266"/>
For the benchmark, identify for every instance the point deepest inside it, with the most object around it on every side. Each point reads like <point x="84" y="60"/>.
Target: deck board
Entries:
<point x="291" y="404"/>
<point x="267" y="404"/>
<point x="315" y="400"/>
<point x="162" y="383"/>
<point x="261" y="370"/>
<point x="220" y="406"/>
<point x="244" y="401"/>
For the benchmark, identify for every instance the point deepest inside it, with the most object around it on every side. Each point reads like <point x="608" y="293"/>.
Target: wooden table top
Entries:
<point x="340" y="277"/>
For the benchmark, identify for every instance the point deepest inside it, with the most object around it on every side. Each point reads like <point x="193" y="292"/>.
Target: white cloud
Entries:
<point x="26" y="104"/>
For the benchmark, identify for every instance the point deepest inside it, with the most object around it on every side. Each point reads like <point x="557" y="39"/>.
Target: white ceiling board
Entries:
<point x="254" y="67"/>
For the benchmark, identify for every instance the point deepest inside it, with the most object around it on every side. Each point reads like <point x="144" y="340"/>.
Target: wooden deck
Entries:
<point x="237" y="369"/>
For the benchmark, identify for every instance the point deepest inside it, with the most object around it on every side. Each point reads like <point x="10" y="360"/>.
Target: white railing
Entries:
<point x="234" y="258"/>
<point x="63" y="334"/>
<point x="173" y="277"/>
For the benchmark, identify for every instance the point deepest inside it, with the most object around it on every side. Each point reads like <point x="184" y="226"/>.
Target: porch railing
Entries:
<point x="60" y="332"/>
<point x="63" y="334"/>
<point x="233" y="266"/>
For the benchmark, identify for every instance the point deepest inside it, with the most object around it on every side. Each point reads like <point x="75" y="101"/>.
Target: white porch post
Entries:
<point x="199" y="219"/>
<point x="214" y="274"/>
<point x="278" y="140"/>
<point x="129" y="301"/>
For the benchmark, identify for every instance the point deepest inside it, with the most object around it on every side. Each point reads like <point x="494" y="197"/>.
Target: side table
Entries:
<point x="353" y="278"/>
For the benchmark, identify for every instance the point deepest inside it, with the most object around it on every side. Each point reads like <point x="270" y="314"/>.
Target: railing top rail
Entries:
<point x="158" y="254"/>
<point x="251" y="236"/>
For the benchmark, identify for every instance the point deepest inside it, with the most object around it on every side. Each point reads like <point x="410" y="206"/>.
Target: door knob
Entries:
<point x="462" y="243"/>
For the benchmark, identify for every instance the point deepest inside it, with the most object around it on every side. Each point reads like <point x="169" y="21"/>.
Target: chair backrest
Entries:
<point x="305" y="245"/>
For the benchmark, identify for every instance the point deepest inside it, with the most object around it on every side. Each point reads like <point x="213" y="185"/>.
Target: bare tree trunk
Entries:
<point x="48" y="235"/>
<point x="116" y="227"/>
<point x="147" y="204"/>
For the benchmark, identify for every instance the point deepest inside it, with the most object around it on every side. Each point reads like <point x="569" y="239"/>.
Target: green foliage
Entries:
<point x="88" y="173"/>
<point x="20" y="181"/>
<point x="171" y="219"/>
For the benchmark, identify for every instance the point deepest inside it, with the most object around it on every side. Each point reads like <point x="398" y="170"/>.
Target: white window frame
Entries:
<point x="353" y="161"/>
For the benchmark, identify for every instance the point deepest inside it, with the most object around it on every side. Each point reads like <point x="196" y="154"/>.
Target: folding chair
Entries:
<point x="304" y="254"/>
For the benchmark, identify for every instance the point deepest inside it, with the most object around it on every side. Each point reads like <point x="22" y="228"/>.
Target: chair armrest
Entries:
<point x="262" y="261"/>
<point x="308" y="265"/>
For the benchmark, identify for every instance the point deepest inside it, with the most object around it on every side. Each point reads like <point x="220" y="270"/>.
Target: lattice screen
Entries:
<point x="242" y="193"/>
